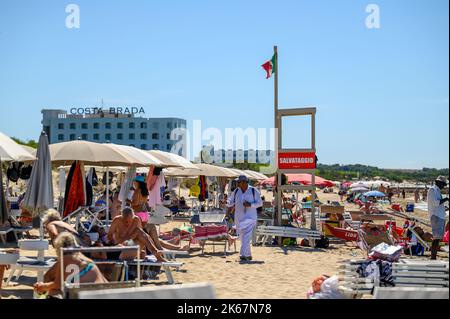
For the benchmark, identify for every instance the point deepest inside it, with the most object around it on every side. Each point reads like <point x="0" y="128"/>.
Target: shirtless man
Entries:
<point x="128" y="227"/>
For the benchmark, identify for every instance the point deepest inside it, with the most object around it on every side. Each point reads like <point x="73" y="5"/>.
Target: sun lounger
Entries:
<point x="83" y="215"/>
<point x="351" y="284"/>
<point x="166" y="266"/>
<point x="349" y="221"/>
<point x="39" y="264"/>
<point x="186" y="291"/>
<point x="414" y="273"/>
<point x="4" y="232"/>
<point x="410" y="293"/>
<point x="291" y="232"/>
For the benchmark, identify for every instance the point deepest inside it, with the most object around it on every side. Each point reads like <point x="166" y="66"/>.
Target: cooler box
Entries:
<point x="410" y="208"/>
<point x="396" y="207"/>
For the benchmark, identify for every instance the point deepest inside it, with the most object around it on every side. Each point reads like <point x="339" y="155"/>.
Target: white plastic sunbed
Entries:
<point x="39" y="264"/>
<point x="186" y="291"/>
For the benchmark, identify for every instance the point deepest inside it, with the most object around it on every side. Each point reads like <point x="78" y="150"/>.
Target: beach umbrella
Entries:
<point x="29" y="149"/>
<point x="3" y="207"/>
<point x="172" y="160"/>
<point x="358" y="189"/>
<point x="138" y="157"/>
<point x="256" y="175"/>
<point x="217" y="171"/>
<point x="180" y="172"/>
<point x="360" y="184"/>
<point x="374" y="194"/>
<point x="10" y="151"/>
<point x="39" y="193"/>
<point x="95" y="154"/>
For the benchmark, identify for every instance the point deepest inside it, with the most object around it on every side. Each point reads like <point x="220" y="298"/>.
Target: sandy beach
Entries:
<point x="275" y="272"/>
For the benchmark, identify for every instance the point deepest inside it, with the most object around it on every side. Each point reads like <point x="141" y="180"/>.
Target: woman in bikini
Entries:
<point x="78" y="266"/>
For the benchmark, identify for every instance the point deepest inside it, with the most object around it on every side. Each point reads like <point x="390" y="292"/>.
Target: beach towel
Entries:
<point x="75" y="189"/>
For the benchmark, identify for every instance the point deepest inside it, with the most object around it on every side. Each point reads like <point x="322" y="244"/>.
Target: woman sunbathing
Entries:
<point x="78" y="266"/>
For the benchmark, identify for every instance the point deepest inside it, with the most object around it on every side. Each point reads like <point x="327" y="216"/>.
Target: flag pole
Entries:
<point x="279" y="200"/>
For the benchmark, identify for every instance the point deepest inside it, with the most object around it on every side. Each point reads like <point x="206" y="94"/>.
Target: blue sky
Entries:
<point x="381" y="94"/>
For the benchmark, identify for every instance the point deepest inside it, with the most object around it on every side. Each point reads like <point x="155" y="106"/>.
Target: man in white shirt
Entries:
<point x="436" y="211"/>
<point x="246" y="200"/>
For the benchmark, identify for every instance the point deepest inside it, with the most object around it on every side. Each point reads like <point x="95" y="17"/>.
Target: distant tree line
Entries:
<point x="337" y="172"/>
<point x="30" y="143"/>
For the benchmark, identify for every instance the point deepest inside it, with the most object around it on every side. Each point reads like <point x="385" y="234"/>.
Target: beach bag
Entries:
<point x="323" y="242"/>
<point x="13" y="172"/>
<point x="25" y="172"/>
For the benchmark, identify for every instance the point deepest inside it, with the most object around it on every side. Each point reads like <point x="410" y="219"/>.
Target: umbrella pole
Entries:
<point x="107" y="195"/>
<point x="41" y="228"/>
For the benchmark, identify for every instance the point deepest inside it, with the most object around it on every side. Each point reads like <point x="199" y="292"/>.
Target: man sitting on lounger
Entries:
<point x="129" y="227"/>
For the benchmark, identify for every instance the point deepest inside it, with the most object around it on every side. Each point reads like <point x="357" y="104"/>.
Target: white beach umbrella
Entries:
<point x="172" y="160"/>
<point x="91" y="154"/>
<point x="11" y="151"/>
<point x="140" y="157"/>
<point x="217" y="171"/>
<point x="181" y="172"/>
<point x="256" y="175"/>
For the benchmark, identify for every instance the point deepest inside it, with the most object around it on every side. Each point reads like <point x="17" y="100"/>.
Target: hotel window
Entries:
<point x="168" y="136"/>
<point x="119" y="125"/>
<point x="132" y="145"/>
<point x="156" y="125"/>
<point x="60" y="126"/>
<point x="143" y="136"/>
<point x="84" y="137"/>
<point x="108" y="125"/>
<point x="176" y="125"/>
<point x="96" y="126"/>
<point x="144" y="146"/>
<point x="131" y="136"/>
<point x="96" y="137"/>
<point x="108" y="137"/>
<point x="155" y="146"/>
<point x="73" y="137"/>
<point x="84" y="126"/>
<point x="73" y="126"/>
<point x="120" y="136"/>
<point x="143" y="125"/>
<point x="169" y="147"/>
<point x="61" y="137"/>
<point x="131" y="125"/>
<point x="155" y="136"/>
<point x="169" y="125"/>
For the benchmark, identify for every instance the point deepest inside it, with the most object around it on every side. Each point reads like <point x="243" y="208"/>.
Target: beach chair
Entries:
<point x="348" y="219"/>
<point x="292" y="232"/>
<point x="410" y="293"/>
<point x="425" y="245"/>
<point x="84" y="218"/>
<point x="39" y="264"/>
<point x="166" y="266"/>
<point x="4" y="231"/>
<point x="351" y="285"/>
<point x="73" y="292"/>
<point x="416" y="273"/>
<point x="186" y="291"/>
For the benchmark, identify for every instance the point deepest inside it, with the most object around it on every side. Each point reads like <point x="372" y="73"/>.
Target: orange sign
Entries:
<point x="297" y="160"/>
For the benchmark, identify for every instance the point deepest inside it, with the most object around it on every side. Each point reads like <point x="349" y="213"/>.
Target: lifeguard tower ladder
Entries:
<point x="295" y="161"/>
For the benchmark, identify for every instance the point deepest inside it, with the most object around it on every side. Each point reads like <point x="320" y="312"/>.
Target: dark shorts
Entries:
<point x="438" y="227"/>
